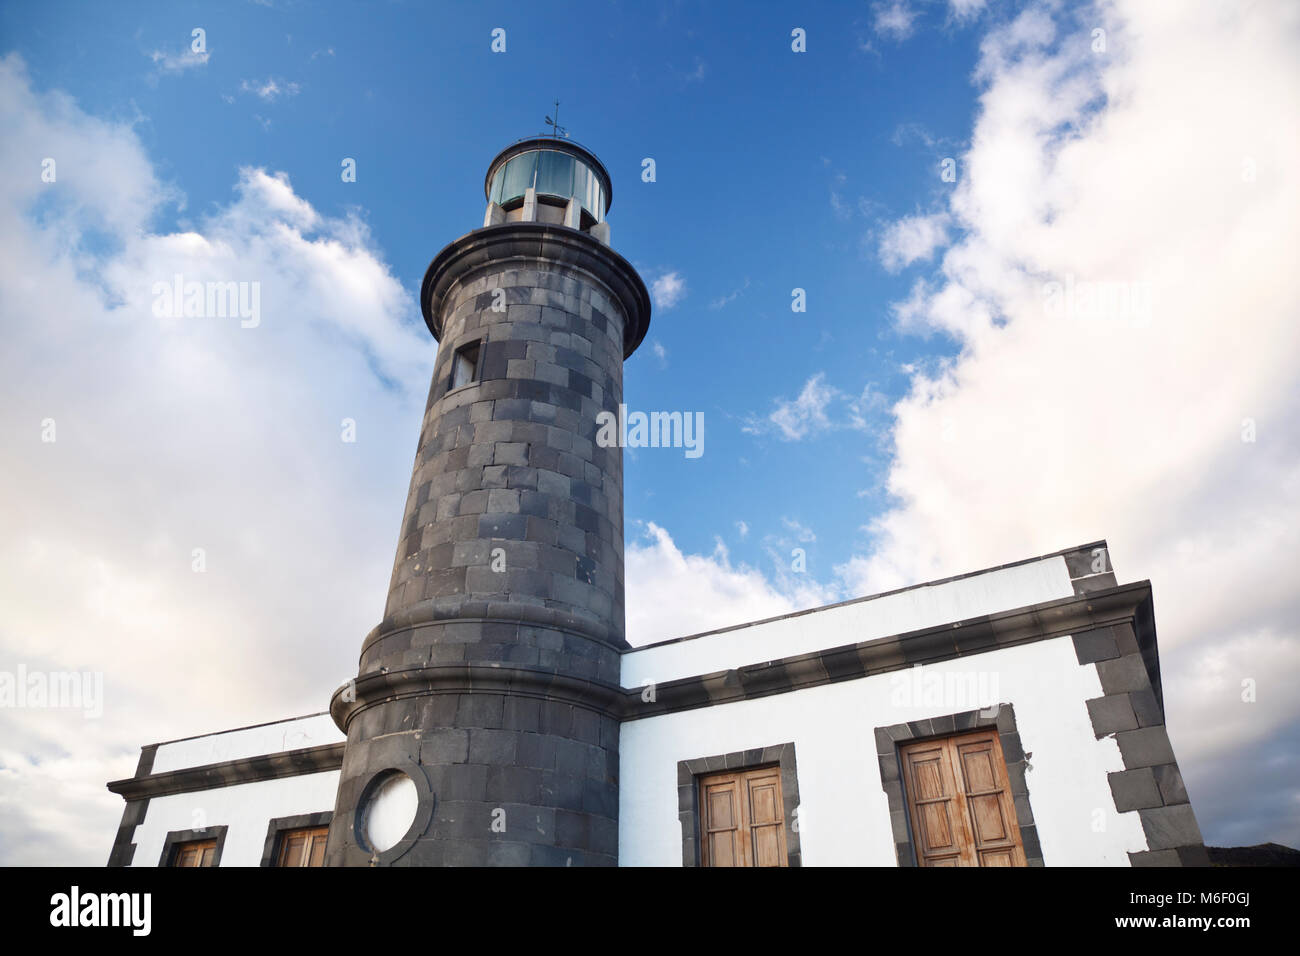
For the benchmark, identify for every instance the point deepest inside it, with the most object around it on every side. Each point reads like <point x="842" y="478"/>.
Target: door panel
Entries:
<point x="742" y="819"/>
<point x="959" y="801"/>
<point x="316" y="852"/>
<point x="304" y="847"/>
<point x="937" y="815"/>
<point x="988" y="797"/>
<point x="766" y="818"/>
<point x="720" y="825"/>
<point x="195" y="853"/>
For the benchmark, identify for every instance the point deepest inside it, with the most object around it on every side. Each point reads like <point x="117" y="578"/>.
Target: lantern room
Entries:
<point x="551" y="180"/>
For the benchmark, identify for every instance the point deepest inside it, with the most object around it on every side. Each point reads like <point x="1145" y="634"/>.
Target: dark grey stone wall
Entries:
<point x="133" y="814"/>
<point x="512" y="463"/>
<point x="512" y="780"/>
<point x="492" y="679"/>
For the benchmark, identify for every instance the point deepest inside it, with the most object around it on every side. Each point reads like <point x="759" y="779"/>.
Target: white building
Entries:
<point x="1012" y="716"/>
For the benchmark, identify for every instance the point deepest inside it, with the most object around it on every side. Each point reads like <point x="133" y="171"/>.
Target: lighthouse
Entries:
<point x="483" y="725"/>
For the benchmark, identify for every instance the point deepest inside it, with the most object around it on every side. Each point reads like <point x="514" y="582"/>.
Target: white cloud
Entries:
<point x="894" y="19"/>
<point x="800" y="532"/>
<point x="913" y="239"/>
<point x="802" y="416"/>
<point x="742" y="529"/>
<point x="668" y="289"/>
<point x="270" y="89"/>
<point x="868" y="409"/>
<point x="660" y="353"/>
<point x="810" y="412"/>
<point x="175" y="434"/>
<point x="907" y="133"/>
<point x="1059" y="425"/>
<point x="963" y="11"/>
<point x="688" y="75"/>
<point x="178" y="62"/>
<point x="677" y="594"/>
<point x="723" y="301"/>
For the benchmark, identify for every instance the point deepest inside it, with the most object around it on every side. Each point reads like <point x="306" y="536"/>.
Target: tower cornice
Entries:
<point x="496" y="247"/>
<point x="516" y="680"/>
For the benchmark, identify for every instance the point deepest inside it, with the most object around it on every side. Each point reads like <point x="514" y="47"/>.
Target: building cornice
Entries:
<point x="1074" y="557"/>
<point x="931" y="645"/>
<point x="289" y="763"/>
<point x="1129" y="603"/>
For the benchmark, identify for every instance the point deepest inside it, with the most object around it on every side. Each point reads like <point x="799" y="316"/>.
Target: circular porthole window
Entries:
<point x="388" y="810"/>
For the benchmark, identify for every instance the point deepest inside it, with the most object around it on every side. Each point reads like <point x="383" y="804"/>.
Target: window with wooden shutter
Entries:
<point x="195" y="853"/>
<point x="742" y="818"/>
<point x="960" y="802"/>
<point x="303" y="847"/>
<point x="464" y="366"/>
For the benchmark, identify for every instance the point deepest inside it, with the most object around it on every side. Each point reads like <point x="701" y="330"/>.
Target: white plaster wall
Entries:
<point x="844" y="813"/>
<point x="246" y="808"/>
<point x="910" y="610"/>
<point x="292" y="734"/>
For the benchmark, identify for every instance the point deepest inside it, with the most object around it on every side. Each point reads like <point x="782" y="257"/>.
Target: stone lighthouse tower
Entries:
<point x="482" y="728"/>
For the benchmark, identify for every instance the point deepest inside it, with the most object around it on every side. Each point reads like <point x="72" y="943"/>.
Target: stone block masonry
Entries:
<point x="493" y="679"/>
<point x="507" y="464"/>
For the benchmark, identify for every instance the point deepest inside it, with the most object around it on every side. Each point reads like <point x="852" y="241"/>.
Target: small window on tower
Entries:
<point x="464" y="366"/>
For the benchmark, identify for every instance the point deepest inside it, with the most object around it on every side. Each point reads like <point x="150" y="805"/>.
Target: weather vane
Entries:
<point x="554" y="123"/>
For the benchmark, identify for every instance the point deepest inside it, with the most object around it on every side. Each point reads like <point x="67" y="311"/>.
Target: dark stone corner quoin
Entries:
<point x="496" y="689"/>
<point x="1131" y="710"/>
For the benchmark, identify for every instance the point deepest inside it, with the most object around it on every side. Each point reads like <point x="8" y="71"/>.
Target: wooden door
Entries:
<point x="305" y="847"/>
<point x="742" y="819"/>
<point x="195" y="853"/>
<point x="960" y="802"/>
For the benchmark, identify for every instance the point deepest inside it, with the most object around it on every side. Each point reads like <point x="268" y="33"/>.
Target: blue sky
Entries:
<point x="756" y="193"/>
<point x="937" y="409"/>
